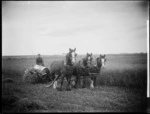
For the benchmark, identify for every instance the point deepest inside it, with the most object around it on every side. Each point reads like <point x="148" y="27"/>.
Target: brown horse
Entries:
<point x="81" y="69"/>
<point x="100" y="62"/>
<point x="63" y="69"/>
<point x="86" y="61"/>
<point x="84" y="71"/>
<point x="95" y="69"/>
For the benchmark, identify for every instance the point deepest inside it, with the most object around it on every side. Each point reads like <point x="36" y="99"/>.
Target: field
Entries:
<point x="121" y="87"/>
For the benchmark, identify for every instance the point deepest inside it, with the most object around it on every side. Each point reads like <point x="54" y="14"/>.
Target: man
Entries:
<point x="39" y="60"/>
<point x="39" y="63"/>
<point x="41" y="67"/>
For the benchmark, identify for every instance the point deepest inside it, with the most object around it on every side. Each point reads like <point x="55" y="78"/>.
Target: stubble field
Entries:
<point x="121" y="87"/>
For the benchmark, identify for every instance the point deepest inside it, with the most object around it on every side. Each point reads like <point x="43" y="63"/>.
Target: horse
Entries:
<point x="81" y="68"/>
<point x="86" y="61"/>
<point x="95" y="69"/>
<point x="62" y="69"/>
<point x="100" y="63"/>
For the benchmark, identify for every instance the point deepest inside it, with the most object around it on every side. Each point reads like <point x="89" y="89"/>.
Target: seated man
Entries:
<point x="39" y="63"/>
<point x="39" y="60"/>
<point x="40" y="67"/>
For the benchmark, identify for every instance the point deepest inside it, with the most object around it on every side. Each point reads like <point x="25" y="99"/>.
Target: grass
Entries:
<point x="121" y="87"/>
<point x="126" y="78"/>
<point x="100" y="99"/>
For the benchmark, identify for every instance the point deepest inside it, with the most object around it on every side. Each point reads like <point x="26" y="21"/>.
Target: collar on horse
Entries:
<point x="68" y="59"/>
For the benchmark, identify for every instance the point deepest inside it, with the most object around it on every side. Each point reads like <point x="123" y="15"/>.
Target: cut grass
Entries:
<point x="121" y="87"/>
<point x="28" y="105"/>
<point x="103" y="98"/>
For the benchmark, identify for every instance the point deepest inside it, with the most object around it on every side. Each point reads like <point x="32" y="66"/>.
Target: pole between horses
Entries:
<point x="52" y="82"/>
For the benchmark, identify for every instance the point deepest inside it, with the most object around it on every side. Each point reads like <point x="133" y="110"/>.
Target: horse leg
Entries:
<point x="95" y="81"/>
<point x="55" y="84"/>
<point x="83" y="82"/>
<point x="92" y="81"/>
<point x="73" y="82"/>
<point x="76" y="81"/>
<point x="68" y="85"/>
<point x="61" y="82"/>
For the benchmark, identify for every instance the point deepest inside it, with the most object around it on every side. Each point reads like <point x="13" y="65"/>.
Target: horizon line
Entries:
<point x="78" y="54"/>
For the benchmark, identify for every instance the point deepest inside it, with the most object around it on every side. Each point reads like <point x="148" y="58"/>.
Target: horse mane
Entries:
<point x="98" y="62"/>
<point x="68" y="60"/>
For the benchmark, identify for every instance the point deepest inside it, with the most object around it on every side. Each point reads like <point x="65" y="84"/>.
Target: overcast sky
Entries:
<point x="52" y="27"/>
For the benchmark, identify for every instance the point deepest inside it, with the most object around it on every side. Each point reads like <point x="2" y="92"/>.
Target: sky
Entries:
<point x="52" y="27"/>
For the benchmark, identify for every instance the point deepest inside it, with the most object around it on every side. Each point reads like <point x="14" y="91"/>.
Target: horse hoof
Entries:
<point x="59" y="89"/>
<point x="74" y="87"/>
<point x="83" y="87"/>
<point x="68" y="89"/>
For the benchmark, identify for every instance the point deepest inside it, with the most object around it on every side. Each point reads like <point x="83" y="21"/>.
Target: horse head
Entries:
<point x="88" y="59"/>
<point x="71" y="57"/>
<point x="98" y="62"/>
<point x="103" y="59"/>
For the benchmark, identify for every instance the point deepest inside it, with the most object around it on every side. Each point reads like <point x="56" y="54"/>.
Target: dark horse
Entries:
<point x="86" y="61"/>
<point x="81" y="69"/>
<point x="95" y="69"/>
<point x="100" y="62"/>
<point x="62" y="69"/>
<point x="85" y="67"/>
